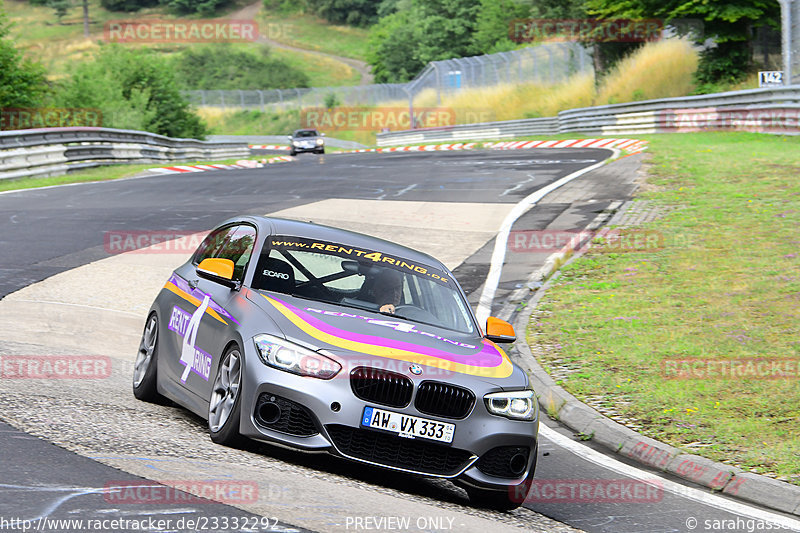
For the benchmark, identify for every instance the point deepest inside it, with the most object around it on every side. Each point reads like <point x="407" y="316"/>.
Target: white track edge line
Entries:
<point x="667" y="485"/>
<point x="499" y="253"/>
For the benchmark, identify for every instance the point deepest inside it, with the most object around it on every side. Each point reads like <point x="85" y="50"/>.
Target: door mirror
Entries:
<point x="219" y="270"/>
<point x="499" y="330"/>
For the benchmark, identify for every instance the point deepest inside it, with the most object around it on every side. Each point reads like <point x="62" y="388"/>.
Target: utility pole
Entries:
<point x="86" y="18"/>
<point x="790" y="38"/>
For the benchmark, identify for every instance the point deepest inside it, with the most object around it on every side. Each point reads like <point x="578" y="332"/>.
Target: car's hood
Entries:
<point x="379" y="340"/>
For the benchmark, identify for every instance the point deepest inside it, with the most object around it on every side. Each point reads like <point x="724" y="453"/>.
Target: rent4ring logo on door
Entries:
<point x="186" y="326"/>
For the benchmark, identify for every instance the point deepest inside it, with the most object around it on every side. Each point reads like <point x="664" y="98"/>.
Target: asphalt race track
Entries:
<point x="449" y="204"/>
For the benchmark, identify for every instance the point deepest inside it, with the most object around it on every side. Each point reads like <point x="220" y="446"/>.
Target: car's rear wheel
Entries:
<point x="292" y="153"/>
<point x="224" y="406"/>
<point x="145" y="367"/>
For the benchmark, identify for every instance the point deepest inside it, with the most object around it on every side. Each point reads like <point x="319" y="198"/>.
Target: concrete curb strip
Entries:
<point x="585" y="421"/>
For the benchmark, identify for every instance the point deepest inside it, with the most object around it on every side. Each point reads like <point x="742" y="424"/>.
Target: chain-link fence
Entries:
<point x="547" y="64"/>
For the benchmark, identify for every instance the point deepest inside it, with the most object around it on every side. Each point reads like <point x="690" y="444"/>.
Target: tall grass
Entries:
<point x="656" y="70"/>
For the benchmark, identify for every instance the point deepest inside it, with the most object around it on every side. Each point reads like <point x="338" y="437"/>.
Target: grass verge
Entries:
<point x="105" y="173"/>
<point x="723" y="287"/>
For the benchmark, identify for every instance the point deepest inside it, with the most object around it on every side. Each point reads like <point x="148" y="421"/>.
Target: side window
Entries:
<point x="212" y="244"/>
<point x="238" y="248"/>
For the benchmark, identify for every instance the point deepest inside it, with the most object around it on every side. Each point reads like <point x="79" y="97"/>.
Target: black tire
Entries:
<point x="502" y="500"/>
<point x="321" y="151"/>
<point x="145" y="367"/>
<point x="224" y="428"/>
<point x="292" y="153"/>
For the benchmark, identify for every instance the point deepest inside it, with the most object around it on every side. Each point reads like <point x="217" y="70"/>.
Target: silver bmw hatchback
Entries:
<point x="323" y="339"/>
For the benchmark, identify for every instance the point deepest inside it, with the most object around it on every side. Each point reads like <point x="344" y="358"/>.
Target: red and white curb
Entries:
<point x="183" y="169"/>
<point x="268" y="147"/>
<point x="629" y="146"/>
<point x="242" y="163"/>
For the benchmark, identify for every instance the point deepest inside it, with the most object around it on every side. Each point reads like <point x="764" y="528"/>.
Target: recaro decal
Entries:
<point x="273" y="274"/>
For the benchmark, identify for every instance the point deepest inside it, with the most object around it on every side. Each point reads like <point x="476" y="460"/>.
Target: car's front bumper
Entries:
<point x="335" y="413"/>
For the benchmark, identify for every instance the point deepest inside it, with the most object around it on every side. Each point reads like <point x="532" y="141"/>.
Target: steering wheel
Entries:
<point x="415" y="313"/>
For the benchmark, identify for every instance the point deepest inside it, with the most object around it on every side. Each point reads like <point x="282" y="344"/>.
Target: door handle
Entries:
<point x="193" y="284"/>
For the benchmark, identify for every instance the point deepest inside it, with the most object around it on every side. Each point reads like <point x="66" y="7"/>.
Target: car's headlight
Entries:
<point x="517" y="405"/>
<point x="296" y="143"/>
<point x="320" y="142"/>
<point x="290" y="357"/>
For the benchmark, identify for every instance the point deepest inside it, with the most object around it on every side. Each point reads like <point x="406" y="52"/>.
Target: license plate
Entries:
<point x="407" y="426"/>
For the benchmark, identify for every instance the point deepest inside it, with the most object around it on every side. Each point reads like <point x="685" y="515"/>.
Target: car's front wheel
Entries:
<point x="145" y="367"/>
<point x="224" y="406"/>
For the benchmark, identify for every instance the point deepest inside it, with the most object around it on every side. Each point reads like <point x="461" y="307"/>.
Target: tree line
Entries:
<point x="407" y="34"/>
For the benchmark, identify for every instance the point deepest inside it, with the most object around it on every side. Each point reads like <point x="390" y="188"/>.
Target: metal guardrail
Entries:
<point x="775" y="110"/>
<point x="56" y="151"/>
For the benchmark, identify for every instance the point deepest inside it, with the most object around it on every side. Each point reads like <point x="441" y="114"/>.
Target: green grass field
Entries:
<point x="313" y="33"/>
<point x="58" y="44"/>
<point x="105" y="173"/>
<point x="725" y="286"/>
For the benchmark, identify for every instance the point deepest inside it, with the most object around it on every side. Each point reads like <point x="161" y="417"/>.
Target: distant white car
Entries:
<point x="307" y="141"/>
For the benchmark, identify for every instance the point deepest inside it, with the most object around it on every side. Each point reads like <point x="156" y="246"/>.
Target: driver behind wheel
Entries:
<point x="388" y="290"/>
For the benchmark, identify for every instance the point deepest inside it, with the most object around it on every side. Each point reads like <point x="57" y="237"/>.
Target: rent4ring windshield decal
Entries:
<point x="311" y="245"/>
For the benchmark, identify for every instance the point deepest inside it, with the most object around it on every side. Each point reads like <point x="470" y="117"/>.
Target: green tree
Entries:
<point x="134" y="89"/>
<point x="393" y="49"/>
<point x="127" y="5"/>
<point x="492" y="30"/>
<point x="728" y="22"/>
<point x="223" y="66"/>
<point x="205" y="8"/>
<point x="427" y="30"/>
<point x="22" y="82"/>
<point x="351" y="12"/>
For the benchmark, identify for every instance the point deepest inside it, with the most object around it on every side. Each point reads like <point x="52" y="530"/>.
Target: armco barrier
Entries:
<point x="55" y="151"/>
<point x="760" y="110"/>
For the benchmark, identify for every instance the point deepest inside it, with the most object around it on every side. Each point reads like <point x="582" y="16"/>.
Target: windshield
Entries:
<point x="362" y="279"/>
<point x="306" y="133"/>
